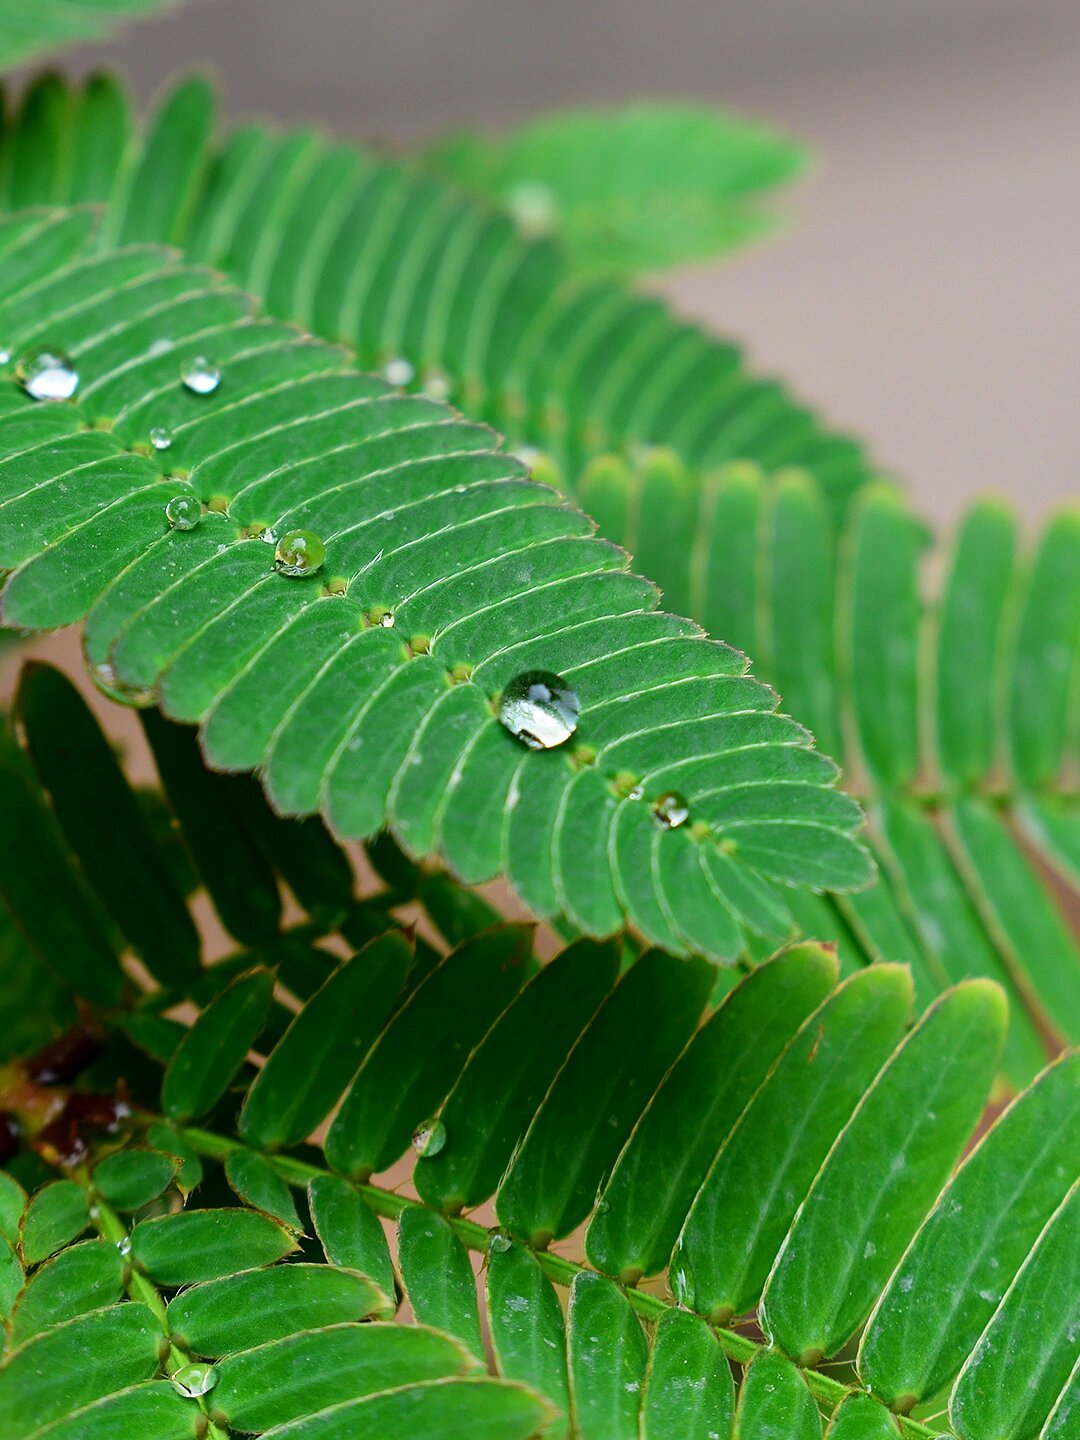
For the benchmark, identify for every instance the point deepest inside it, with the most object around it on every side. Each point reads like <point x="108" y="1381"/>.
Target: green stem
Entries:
<point x="562" y="1271"/>
<point x="110" y="1227"/>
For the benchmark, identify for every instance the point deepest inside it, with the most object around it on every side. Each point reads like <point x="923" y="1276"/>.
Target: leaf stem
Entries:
<point x="110" y="1227"/>
<point x="386" y="1203"/>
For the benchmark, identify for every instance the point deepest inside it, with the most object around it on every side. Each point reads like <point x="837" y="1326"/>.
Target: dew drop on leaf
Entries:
<point x="200" y="375"/>
<point x="160" y="438"/>
<point x="124" y="1245"/>
<point x="298" y="553"/>
<point x="194" y="1380"/>
<point x="387" y="620"/>
<point x="5" y="355"/>
<point x="540" y="709"/>
<point x="499" y="1243"/>
<point x="671" y="809"/>
<point x="436" y="385"/>
<point x="47" y="375"/>
<point x="183" y="512"/>
<point x="398" y="371"/>
<point x="429" y="1138"/>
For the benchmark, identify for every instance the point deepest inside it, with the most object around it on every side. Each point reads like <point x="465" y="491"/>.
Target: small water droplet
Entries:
<point x="398" y="371"/>
<point x="387" y="620"/>
<point x="124" y="1245"/>
<point x="429" y="1139"/>
<point x="499" y="1243"/>
<point x="5" y="356"/>
<point x="299" y="553"/>
<point x="183" y="512"/>
<point x="540" y="709"/>
<point x="436" y="385"/>
<point x="671" y="809"/>
<point x="269" y="536"/>
<point x="533" y="207"/>
<point x="160" y="438"/>
<point x="200" y="375"/>
<point x="194" y="1380"/>
<point x="47" y="375"/>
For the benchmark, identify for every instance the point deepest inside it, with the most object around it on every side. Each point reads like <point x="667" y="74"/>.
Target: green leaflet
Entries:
<point x="598" y="1095"/>
<point x="350" y="1234"/>
<point x="492" y="576"/>
<point x="27" y="33"/>
<point x="12" y="1277"/>
<point x="607" y="1352"/>
<point x="974" y="1241"/>
<point x="860" y="1418"/>
<point x="438" y="1278"/>
<point x="130" y="1179"/>
<point x="688" y="1389"/>
<point x="151" y="1409"/>
<point x="640" y="188"/>
<point x="49" y="1376"/>
<point x="869" y="1196"/>
<point x="719" y="1266"/>
<point x="438" y="1410"/>
<point x="774" y="1403"/>
<point x="282" y="1382"/>
<point x="315" y="1059"/>
<point x="197" y="1245"/>
<point x="81" y="1278"/>
<point x="122" y="859"/>
<point x="57" y="1214"/>
<point x="258" y="1184"/>
<point x="12" y="1205"/>
<point x="216" y="1046"/>
<point x="528" y="1335"/>
<point x="1012" y="1379"/>
<point x="255" y="1307"/>
<point x="634" y="1228"/>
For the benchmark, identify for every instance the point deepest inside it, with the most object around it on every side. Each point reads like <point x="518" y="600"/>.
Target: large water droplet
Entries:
<point x="194" y="1380"/>
<point x="429" y="1138"/>
<point x="183" y="512"/>
<point x="398" y="371"/>
<point x="200" y="375"/>
<point x="300" y="552"/>
<point x="671" y="809"/>
<point x="47" y="375"/>
<point x="539" y="708"/>
<point x="160" y="438"/>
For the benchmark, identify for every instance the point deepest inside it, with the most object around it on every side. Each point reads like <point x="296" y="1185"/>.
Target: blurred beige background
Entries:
<point x="925" y="290"/>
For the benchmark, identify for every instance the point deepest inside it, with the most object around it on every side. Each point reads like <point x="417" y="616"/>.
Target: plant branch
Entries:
<point x="386" y="1203"/>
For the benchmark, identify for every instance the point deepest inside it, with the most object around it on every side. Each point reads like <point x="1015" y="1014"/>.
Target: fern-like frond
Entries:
<point x="370" y="688"/>
<point x="583" y="1125"/>
<point x="641" y="188"/>
<point x="27" y="31"/>
<point x="438" y="289"/>
<point x="955" y="718"/>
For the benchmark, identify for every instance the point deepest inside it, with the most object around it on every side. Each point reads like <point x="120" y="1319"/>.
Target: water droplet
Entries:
<point x="160" y="438"/>
<point x="200" y="375"/>
<point x="183" y="512"/>
<point x="436" y="385"/>
<point x="124" y="1245"/>
<point x="398" y="371"/>
<point x="671" y="809"/>
<point x="269" y="536"/>
<point x="540" y="709"/>
<point x="499" y="1243"/>
<point x="533" y="207"/>
<point x="429" y="1139"/>
<point x="298" y="553"/>
<point x="387" y="620"/>
<point x="194" y="1380"/>
<point x="5" y="356"/>
<point x="47" y="375"/>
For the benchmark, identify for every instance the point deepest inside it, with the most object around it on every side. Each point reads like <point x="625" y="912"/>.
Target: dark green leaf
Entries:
<point x="607" y="1352"/>
<point x="258" y="1184"/>
<point x="689" y="1390"/>
<point x="205" y="1244"/>
<point x="774" y="1403"/>
<point x="216" y="1046"/>
<point x="528" y="1335"/>
<point x="84" y="1277"/>
<point x="130" y="1179"/>
<point x="56" y="1214"/>
<point x="438" y="1277"/>
<point x="350" y="1233"/>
